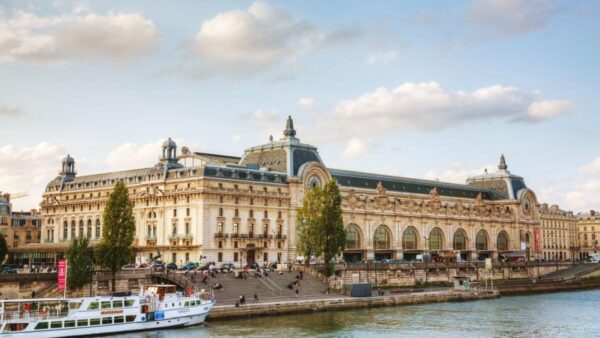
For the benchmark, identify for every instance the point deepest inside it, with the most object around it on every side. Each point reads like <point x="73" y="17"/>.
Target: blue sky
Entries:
<point x="424" y="88"/>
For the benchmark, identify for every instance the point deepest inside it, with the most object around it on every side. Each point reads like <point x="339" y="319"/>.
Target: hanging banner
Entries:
<point x="62" y="274"/>
<point x="538" y="238"/>
<point x="522" y="238"/>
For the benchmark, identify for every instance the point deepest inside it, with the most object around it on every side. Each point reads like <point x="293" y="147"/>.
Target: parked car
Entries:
<point x="142" y="266"/>
<point x="171" y="266"/>
<point x="206" y="266"/>
<point x="157" y="266"/>
<point x="227" y="266"/>
<point x="188" y="266"/>
<point x="129" y="266"/>
<point x="253" y="265"/>
<point x="7" y="271"/>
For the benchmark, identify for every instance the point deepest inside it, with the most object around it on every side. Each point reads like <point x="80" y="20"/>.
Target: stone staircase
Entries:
<point x="572" y="272"/>
<point x="272" y="288"/>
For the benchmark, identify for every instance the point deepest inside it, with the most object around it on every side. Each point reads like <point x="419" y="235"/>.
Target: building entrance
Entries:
<point x="250" y="258"/>
<point x="352" y="257"/>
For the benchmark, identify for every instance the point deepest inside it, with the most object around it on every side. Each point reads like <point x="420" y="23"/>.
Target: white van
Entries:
<point x="594" y="258"/>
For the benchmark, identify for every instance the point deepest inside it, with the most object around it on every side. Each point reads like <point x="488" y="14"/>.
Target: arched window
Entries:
<point x="502" y="241"/>
<point x="65" y="230"/>
<point x="409" y="239"/>
<point x="80" y="228"/>
<point x="89" y="228"/>
<point x="481" y="242"/>
<point x="352" y="238"/>
<point x="435" y="240"/>
<point x="381" y="239"/>
<point x="460" y="240"/>
<point x="97" y="228"/>
<point x="73" y="229"/>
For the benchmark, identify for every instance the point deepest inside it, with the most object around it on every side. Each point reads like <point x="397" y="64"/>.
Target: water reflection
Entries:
<point x="572" y="314"/>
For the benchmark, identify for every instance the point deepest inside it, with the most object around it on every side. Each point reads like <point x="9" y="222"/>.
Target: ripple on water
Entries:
<point x="567" y="314"/>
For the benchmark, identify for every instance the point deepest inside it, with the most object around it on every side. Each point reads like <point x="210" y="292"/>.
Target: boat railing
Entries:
<point x="31" y="316"/>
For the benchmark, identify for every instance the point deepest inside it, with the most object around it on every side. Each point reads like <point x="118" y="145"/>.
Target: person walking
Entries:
<point x="256" y="297"/>
<point x="297" y="291"/>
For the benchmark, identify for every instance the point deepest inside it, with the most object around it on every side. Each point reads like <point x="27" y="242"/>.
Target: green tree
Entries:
<point x="81" y="265"/>
<point x="3" y="248"/>
<point x="308" y="217"/>
<point x="332" y="232"/>
<point x="320" y="226"/>
<point x="118" y="229"/>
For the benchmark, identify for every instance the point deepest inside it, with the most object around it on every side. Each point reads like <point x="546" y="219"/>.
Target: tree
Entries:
<point x="332" y="232"/>
<point x="118" y="229"/>
<point x="320" y="226"/>
<point x="308" y="217"/>
<point x="81" y="265"/>
<point x="3" y="248"/>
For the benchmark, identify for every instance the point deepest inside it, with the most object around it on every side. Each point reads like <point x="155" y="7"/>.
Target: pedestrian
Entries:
<point x="244" y="299"/>
<point x="297" y="291"/>
<point x="33" y="294"/>
<point x="237" y="303"/>
<point x="256" y="297"/>
<point x="301" y="275"/>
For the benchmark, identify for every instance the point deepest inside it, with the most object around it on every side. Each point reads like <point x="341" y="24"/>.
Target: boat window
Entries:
<point x="94" y="321"/>
<point x="187" y="304"/>
<point x="15" y="327"/>
<point x="129" y="302"/>
<point x="94" y="306"/>
<point x="74" y="306"/>
<point x="130" y="318"/>
<point x="82" y="322"/>
<point x="106" y="305"/>
<point x="198" y="302"/>
<point x="41" y="326"/>
<point x="56" y="325"/>
<point x="69" y="323"/>
<point x="106" y="320"/>
<point x="117" y="303"/>
<point x="118" y="319"/>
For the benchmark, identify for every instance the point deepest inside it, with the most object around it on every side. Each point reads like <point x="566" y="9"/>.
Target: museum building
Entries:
<point x="193" y="205"/>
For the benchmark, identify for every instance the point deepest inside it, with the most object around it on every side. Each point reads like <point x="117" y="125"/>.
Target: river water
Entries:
<point x="566" y="314"/>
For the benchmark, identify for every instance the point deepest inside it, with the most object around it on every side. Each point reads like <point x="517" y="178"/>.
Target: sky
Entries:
<point x="426" y="89"/>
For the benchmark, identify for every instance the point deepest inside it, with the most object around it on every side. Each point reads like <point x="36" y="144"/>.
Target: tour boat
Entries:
<point x="155" y="307"/>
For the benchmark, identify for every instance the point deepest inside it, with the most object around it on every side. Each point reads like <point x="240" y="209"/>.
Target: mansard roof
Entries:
<point x="362" y="180"/>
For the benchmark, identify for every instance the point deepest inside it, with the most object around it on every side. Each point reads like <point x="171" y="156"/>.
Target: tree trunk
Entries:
<point x="114" y="273"/>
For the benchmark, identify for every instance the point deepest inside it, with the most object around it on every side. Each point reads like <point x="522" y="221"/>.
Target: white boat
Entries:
<point x="155" y="307"/>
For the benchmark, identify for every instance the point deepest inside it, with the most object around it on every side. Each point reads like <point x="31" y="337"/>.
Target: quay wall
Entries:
<point x="331" y="304"/>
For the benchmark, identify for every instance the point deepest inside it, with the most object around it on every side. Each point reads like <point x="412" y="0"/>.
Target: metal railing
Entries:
<point x="31" y="316"/>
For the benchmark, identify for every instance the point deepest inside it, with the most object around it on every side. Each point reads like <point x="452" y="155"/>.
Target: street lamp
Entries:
<point x="425" y="257"/>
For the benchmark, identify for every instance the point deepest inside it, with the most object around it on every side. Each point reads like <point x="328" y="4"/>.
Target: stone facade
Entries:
<point x="25" y="228"/>
<point x="5" y="215"/>
<point x="589" y="232"/>
<point x="243" y="209"/>
<point x="560" y="240"/>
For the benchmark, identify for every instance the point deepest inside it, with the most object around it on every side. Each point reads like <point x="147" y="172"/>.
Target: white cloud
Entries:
<point x="29" y="169"/>
<point x="10" y="111"/>
<point x="512" y="17"/>
<point x="384" y="57"/>
<point x="134" y="156"/>
<point x="428" y="106"/>
<point x="457" y="173"/>
<point x="236" y="138"/>
<point x="306" y="103"/>
<point x="240" y="42"/>
<point x="357" y="147"/>
<point x="584" y="196"/>
<point x="591" y="168"/>
<point x="76" y="36"/>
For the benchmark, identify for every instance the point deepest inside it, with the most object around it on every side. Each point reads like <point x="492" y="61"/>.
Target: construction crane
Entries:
<point x="18" y="195"/>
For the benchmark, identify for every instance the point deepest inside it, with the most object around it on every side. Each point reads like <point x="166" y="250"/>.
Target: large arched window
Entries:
<point x="65" y="230"/>
<point x="80" y="228"/>
<point x="435" y="240"/>
<point x="381" y="239"/>
<point x="89" y="228"/>
<point x="502" y="242"/>
<point x="73" y="229"/>
<point x="460" y="240"/>
<point x="97" y="228"/>
<point x="352" y="237"/>
<point x="481" y="242"/>
<point x="409" y="239"/>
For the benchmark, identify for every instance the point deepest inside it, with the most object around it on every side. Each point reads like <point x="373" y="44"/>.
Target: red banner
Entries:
<point x="538" y="238"/>
<point x="62" y="274"/>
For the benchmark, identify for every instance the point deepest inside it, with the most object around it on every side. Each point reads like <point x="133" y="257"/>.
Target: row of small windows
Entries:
<point x="250" y="188"/>
<point x="59" y="324"/>
<point x="236" y="213"/>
